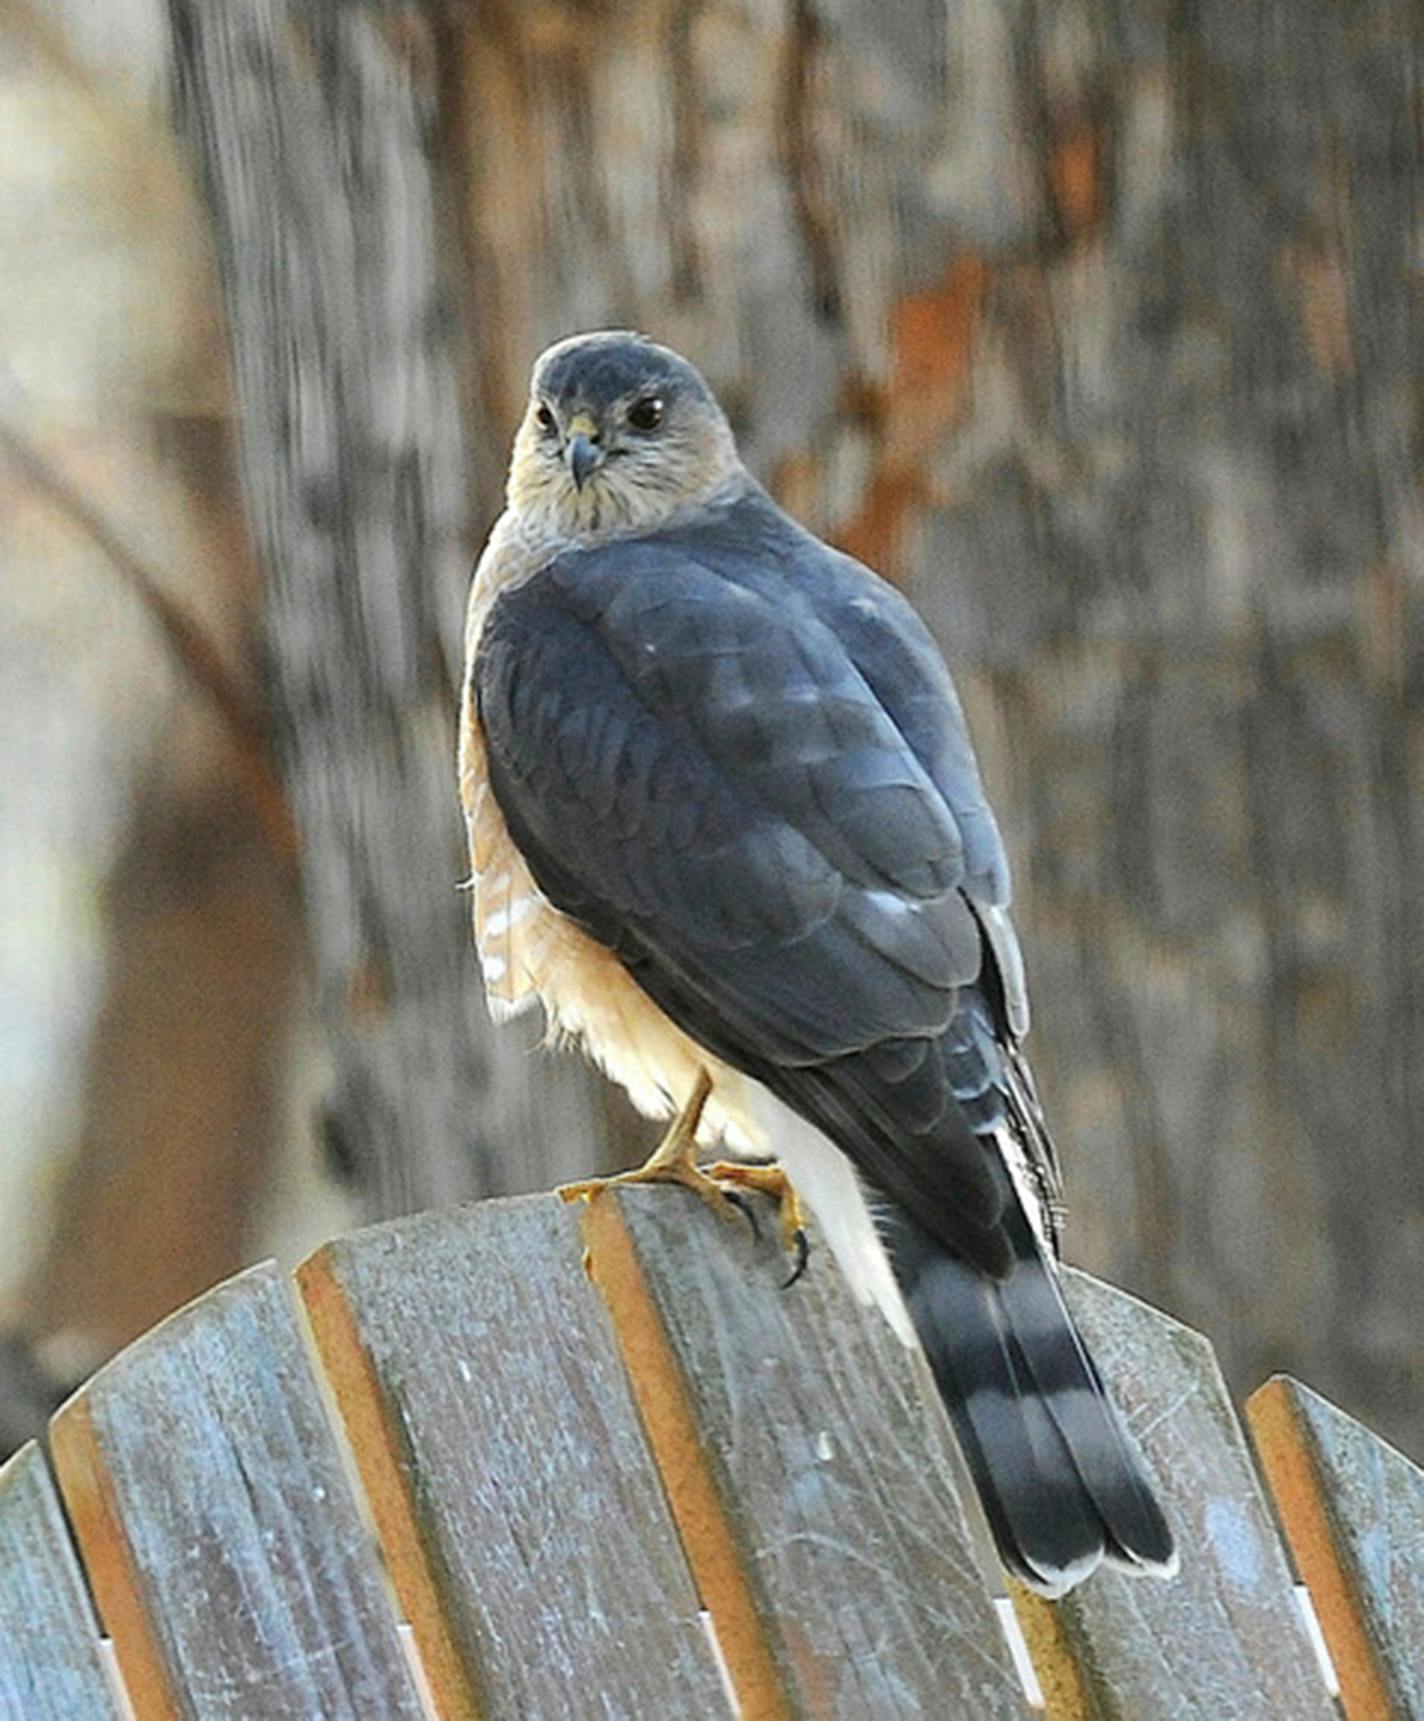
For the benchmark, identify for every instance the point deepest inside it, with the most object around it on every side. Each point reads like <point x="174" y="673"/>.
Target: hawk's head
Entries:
<point x="620" y="434"/>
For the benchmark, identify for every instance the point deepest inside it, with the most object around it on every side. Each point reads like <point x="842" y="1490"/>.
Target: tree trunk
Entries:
<point x="314" y="128"/>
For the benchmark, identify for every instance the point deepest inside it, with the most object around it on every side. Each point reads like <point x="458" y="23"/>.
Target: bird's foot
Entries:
<point x="681" y="1169"/>
<point x="791" y="1215"/>
<point x="674" y="1161"/>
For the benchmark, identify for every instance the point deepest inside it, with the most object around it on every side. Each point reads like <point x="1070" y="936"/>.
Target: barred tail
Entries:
<point x="1061" y="1486"/>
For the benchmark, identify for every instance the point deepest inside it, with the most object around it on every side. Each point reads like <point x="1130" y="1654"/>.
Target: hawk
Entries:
<point x="727" y="827"/>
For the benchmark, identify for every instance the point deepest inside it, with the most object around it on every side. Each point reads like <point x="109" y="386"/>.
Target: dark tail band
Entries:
<point x="1061" y="1485"/>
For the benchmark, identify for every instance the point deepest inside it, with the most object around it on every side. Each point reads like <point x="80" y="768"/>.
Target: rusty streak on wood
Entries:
<point x="933" y="334"/>
<point x="1353" y="1510"/>
<point x="108" y="1559"/>
<point x="524" y="1522"/>
<point x="1224" y="1637"/>
<point x="932" y="343"/>
<point x="672" y="1430"/>
<point x="51" y="1668"/>
<point x="227" y="1553"/>
<point x="384" y="1467"/>
<point x="1075" y="173"/>
<point x="1290" y="1470"/>
<point x="810" y="1466"/>
<point x="875" y="534"/>
<point x="1066" y="1694"/>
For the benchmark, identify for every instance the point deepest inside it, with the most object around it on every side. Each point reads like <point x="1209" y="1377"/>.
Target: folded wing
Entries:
<point x="735" y="758"/>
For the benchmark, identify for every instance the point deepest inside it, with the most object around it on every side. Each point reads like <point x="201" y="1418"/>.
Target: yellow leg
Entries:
<point x="674" y="1160"/>
<point x="791" y="1215"/>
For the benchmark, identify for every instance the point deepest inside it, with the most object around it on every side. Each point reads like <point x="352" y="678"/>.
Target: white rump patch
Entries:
<point x="825" y="1180"/>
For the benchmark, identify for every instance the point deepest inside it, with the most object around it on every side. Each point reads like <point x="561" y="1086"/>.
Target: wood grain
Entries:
<point x="51" y="1668"/>
<point x="225" y="1547"/>
<point x="813" y="1454"/>
<point x="1223" y="1638"/>
<point x="1353" y="1511"/>
<point x="526" y="1527"/>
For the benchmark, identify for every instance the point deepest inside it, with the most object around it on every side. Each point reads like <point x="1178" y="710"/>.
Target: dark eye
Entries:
<point x="544" y="418"/>
<point x="647" y="413"/>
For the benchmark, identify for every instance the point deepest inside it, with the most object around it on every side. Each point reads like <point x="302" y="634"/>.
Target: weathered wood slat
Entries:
<point x="1224" y="1638"/>
<point x="1353" y="1510"/>
<point x="51" y="1667"/>
<point x="808" y="1465"/>
<point x="227" y="1554"/>
<point x="522" y="1514"/>
<point x="524" y="1416"/>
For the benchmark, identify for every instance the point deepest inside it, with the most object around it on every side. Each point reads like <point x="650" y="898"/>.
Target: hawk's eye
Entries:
<point x="647" y="413"/>
<point x="544" y="418"/>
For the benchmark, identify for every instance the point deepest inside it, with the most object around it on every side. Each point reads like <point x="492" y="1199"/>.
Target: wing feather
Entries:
<point x="744" y="772"/>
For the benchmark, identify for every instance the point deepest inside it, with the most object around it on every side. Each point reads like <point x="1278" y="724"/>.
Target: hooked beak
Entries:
<point x="582" y="451"/>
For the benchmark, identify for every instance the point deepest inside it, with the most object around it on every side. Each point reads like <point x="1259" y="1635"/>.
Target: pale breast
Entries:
<point x="530" y="952"/>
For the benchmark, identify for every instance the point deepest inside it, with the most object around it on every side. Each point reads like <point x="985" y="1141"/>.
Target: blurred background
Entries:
<point x="1095" y="325"/>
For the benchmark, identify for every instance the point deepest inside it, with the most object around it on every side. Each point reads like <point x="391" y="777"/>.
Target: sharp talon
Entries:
<point x="735" y="1198"/>
<point x="801" y="1244"/>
